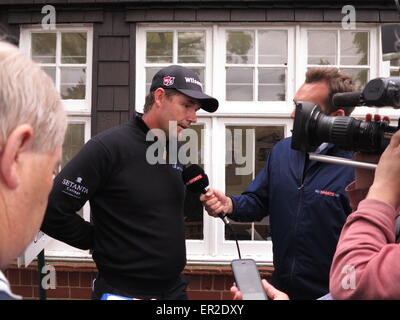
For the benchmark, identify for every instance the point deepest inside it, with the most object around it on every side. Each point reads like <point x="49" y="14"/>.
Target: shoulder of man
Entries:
<point x="120" y="135"/>
<point x="283" y="143"/>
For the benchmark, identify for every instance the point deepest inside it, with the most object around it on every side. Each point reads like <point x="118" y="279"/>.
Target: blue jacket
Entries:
<point x="308" y="206"/>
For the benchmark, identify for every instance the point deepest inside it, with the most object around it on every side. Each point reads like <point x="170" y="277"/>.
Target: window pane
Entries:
<point x="322" y="47"/>
<point x="395" y="62"/>
<point x="193" y="145"/>
<point x="240" y="47"/>
<point x="272" y="47"/>
<point x="150" y="72"/>
<point x="191" y="47"/>
<point x="271" y="84"/>
<point x="51" y="72"/>
<point x="74" y="141"/>
<point x="200" y="73"/>
<point x="44" y="47"/>
<point x="394" y="72"/>
<point x="354" y="48"/>
<point x="239" y="84"/>
<point x="73" y="83"/>
<point x="240" y="141"/>
<point x="360" y="76"/>
<point x="73" y="47"/>
<point x="159" y="47"/>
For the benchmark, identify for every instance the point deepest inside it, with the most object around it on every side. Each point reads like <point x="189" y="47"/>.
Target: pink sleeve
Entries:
<point x="366" y="264"/>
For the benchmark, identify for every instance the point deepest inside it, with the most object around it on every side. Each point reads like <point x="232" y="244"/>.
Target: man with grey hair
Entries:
<point x="32" y="130"/>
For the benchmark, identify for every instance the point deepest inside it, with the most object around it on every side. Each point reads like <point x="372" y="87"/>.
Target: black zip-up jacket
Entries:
<point x="137" y="229"/>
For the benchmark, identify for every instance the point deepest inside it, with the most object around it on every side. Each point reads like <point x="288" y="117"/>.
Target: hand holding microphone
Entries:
<point x="215" y="202"/>
<point x="196" y="181"/>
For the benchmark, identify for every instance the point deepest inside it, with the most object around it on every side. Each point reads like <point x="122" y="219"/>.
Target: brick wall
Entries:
<point x="73" y="281"/>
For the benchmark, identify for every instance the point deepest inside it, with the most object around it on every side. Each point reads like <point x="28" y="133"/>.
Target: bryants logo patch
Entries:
<point x="327" y="193"/>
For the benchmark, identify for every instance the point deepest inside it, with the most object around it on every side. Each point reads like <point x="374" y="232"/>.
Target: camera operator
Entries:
<point x="365" y="265"/>
<point x="305" y="199"/>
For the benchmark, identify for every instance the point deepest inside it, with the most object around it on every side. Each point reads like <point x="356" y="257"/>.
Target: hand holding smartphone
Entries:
<point x="248" y="279"/>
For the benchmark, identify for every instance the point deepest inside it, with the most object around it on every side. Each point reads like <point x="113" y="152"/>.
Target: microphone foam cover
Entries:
<point x="195" y="178"/>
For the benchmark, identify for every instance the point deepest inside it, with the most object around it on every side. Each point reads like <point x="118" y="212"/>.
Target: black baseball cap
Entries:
<point x="185" y="81"/>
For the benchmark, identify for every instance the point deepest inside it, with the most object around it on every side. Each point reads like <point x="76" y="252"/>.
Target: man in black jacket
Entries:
<point x="137" y="230"/>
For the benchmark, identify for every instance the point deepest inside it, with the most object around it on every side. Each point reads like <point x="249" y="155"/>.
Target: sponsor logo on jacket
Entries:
<point x="327" y="193"/>
<point x="74" y="188"/>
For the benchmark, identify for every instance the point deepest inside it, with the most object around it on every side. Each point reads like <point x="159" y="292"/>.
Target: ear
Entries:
<point x="339" y="112"/>
<point x="159" y="95"/>
<point x="19" y="141"/>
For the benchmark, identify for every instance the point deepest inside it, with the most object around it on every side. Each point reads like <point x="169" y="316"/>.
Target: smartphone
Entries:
<point x="248" y="279"/>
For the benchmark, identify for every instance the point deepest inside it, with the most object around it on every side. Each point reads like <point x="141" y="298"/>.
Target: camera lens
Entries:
<point x="314" y="128"/>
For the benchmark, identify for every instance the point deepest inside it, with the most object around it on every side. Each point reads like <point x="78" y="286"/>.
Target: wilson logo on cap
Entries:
<point x="168" y="81"/>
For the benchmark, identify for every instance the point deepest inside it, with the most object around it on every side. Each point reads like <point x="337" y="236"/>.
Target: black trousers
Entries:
<point x="176" y="292"/>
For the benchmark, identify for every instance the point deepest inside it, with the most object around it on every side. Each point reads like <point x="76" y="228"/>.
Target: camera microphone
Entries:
<point x="379" y="92"/>
<point x="196" y="180"/>
<point x="347" y="99"/>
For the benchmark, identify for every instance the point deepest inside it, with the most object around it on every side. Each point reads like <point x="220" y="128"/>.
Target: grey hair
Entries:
<point x="28" y="96"/>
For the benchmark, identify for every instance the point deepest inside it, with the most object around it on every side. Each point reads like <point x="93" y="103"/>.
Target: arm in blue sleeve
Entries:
<point x="252" y="204"/>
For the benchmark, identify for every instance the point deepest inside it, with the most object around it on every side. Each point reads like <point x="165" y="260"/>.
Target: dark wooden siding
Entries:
<point x="113" y="85"/>
<point x="113" y="71"/>
<point x="259" y="15"/>
<point x="320" y="3"/>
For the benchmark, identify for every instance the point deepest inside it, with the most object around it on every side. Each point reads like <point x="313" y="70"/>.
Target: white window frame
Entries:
<point x="73" y="106"/>
<point x="197" y="247"/>
<point x="277" y="108"/>
<point x="78" y="112"/>
<point x="58" y="250"/>
<point x="141" y="63"/>
<point x="375" y="60"/>
<point x="385" y="72"/>
<point x="214" y="248"/>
